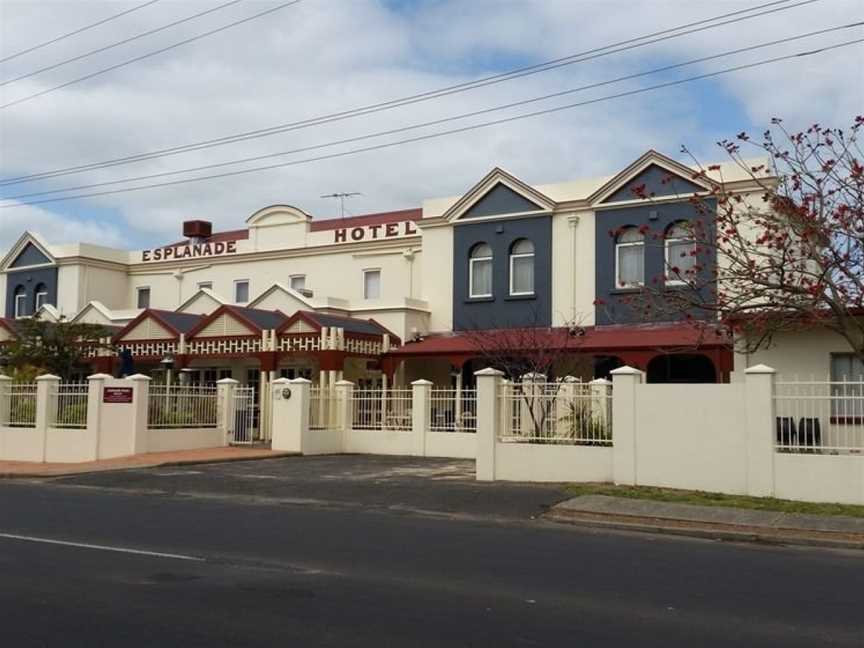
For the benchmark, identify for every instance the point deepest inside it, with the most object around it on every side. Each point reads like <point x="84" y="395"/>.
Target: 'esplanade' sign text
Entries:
<point x="178" y="252"/>
<point x="372" y="232"/>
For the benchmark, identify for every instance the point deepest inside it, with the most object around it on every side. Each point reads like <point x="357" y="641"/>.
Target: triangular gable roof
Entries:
<point x="349" y="324"/>
<point x="651" y="158"/>
<point x="7" y="329"/>
<point x="497" y="177"/>
<point x="204" y="295"/>
<point x="48" y="312"/>
<point x="111" y="317"/>
<point x="174" y="323"/>
<point x="27" y="239"/>
<point x="255" y="320"/>
<point x="287" y="291"/>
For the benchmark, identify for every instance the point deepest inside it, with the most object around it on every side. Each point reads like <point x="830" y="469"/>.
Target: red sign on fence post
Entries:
<point x="117" y="395"/>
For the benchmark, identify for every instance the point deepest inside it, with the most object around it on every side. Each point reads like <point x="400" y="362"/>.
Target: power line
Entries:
<point x="105" y="48"/>
<point x="436" y="122"/>
<point x="463" y="129"/>
<point x="77" y="31"/>
<point x="149" y="54"/>
<point x="417" y="98"/>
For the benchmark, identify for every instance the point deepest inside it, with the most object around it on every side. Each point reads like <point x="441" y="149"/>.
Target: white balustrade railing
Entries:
<point x="68" y="405"/>
<point x="453" y="410"/>
<point x="376" y="409"/>
<point x="814" y="416"/>
<point x="182" y="406"/>
<point x="20" y="409"/>
<point x="573" y="413"/>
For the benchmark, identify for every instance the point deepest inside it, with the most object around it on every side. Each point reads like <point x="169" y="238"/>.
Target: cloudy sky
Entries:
<point x="324" y="56"/>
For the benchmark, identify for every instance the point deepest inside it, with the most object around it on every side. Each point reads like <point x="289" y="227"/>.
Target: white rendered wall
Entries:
<point x="805" y="354"/>
<point x="437" y="264"/>
<point x="552" y="463"/>
<point x="819" y="478"/>
<point x="573" y="268"/>
<point x="184" y="439"/>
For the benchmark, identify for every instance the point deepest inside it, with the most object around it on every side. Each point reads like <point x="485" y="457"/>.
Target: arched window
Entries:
<point x="20" y="301"/>
<point x="480" y="271"/>
<point x="522" y="268"/>
<point x="41" y="297"/>
<point x="680" y="253"/>
<point x="629" y="258"/>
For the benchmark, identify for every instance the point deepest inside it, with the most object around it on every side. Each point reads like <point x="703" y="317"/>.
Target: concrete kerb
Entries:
<point x="694" y="525"/>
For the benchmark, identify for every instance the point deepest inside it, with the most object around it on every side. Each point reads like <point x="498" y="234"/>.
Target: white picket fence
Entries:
<point x="814" y="416"/>
<point x="182" y="406"/>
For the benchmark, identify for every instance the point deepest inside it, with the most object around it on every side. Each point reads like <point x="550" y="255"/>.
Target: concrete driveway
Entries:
<point x="410" y="484"/>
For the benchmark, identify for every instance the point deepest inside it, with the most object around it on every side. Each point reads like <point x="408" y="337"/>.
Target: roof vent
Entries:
<point x="197" y="229"/>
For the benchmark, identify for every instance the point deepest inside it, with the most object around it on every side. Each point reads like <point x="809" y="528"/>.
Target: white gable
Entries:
<point x="5" y="335"/>
<point x="224" y="326"/>
<point x="149" y="329"/>
<point x="301" y="326"/>
<point x="203" y="302"/>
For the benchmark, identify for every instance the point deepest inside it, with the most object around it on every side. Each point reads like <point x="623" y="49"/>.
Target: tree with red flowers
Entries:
<point x="789" y="256"/>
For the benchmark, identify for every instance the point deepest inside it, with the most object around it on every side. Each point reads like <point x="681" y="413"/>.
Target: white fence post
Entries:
<point x="140" y="411"/>
<point x="759" y="401"/>
<point x="291" y="409"/>
<point x="345" y="410"/>
<point x="5" y="398"/>
<point x="225" y="406"/>
<point x="488" y="421"/>
<point x="46" y="386"/>
<point x="421" y="393"/>
<point x="95" y="384"/>
<point x="624" y="383"/>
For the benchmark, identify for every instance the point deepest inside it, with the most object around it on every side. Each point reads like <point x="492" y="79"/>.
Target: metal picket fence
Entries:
<point x="376" y="409"/>
<point x="452" y="410"/>
<point x="20" y="409"/>
<point x="68" y="405"/>
<point x="182" y="407"/>
<point x="813" y="416"/>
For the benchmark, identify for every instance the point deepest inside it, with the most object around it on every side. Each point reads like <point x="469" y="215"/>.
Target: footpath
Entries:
<point x="10" y="469"/>
<point x="715" y="522"/>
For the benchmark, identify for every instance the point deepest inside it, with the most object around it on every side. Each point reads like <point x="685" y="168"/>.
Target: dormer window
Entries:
<point x="480" y="271"/>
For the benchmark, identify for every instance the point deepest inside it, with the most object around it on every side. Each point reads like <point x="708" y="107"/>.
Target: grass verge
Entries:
<point x="715" y="499"/>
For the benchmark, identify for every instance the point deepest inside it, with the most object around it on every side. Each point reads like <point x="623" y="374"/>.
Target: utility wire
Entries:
<point x="463" y="129"/>
<point x="77" y="31"/>
<point x="105" y="48"/>
<point x="437" y="122"/>
<point x="417" y="98"/>
<point x="149" y="54"/>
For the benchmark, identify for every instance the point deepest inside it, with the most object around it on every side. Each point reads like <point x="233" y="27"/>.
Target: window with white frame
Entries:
<point x="480" y="271"/>
<point x="205" y="284"/>
<point x="298" y="282"/>
<point x="680" y="254"/>
<point x="847" y="386"/>
<point x="143" y="299"/>
<point x="41" y="297"/>
<point x="20" y="302"/>
<point x="372" y="283"/>
<point x="241" y="291"/>
<point x="522" y="268"/>
<point x="630" y="258"/>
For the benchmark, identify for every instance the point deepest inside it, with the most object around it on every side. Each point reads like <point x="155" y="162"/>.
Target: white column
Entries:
<point x="488" y="421"/>
<point x="457" y="406"/>
<point x="601" y="405"/>
<point x="5" y="398"/>
<point x="95" y="387"/>
<point x="262" y="401"/>
<point x="46" y="405"/>
<point x="291" y="409"/>
<point x="759" y="401"/>
<point x="421" y="392"/>
<point x="226" y="412"/>
<point x="344" y="390"/>
<point x="384" y="387"/>
<point x="625" y="381"/>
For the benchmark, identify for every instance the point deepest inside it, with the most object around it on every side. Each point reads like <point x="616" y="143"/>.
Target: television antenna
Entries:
<point x="342" y="197"/>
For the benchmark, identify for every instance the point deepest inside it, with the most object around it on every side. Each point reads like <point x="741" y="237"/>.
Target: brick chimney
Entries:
<point x="197" y="229"/>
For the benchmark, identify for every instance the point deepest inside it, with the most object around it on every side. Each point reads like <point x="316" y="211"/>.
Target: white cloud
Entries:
<point x="321" y="57"/>
<point x="55" y="228"/>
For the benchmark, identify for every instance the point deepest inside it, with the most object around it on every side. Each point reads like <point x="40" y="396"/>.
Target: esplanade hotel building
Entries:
<point x="386" y="298"/>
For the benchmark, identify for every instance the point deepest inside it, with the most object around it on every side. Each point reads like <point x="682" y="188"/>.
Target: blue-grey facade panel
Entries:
<point x="502" y="310"/>
<point x="621" y="306"/>
<point x="658" y="182"/>
<point x="28" y="281"/>
<point x="29" y="256"/>
<point x="500" y="200"/>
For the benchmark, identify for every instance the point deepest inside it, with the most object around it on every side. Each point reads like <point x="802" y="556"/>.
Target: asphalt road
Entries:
<point x="205" y="567"/>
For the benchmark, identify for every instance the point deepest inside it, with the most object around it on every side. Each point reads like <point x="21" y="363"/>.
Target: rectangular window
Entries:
<point x="371" y="284"/>
<point x="522" y="275"/>
<point x="631" y="265"/>
<point x="480" y="279"/>
<point x="298" y="282"/>
<point x="20" y="305"/>
<point x="41" y="299"/>
<point x="847" y="387"/>
<point x="679" y="261"/>
<point x="144" y="297"/>
<point x="205" y="284"/>
<point x="241" y="291"/>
